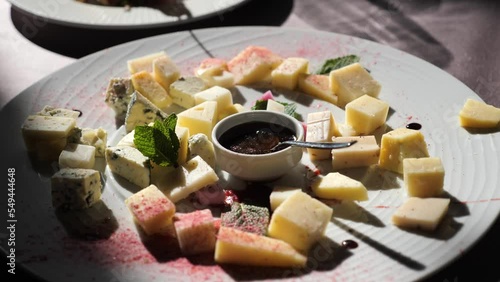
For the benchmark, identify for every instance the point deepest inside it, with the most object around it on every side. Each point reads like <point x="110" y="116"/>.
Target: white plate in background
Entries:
<point x="416" y="91"/>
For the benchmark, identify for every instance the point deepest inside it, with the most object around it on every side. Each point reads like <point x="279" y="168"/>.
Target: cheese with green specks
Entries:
<point x="200" y="145"/>
<point x="118" y="95"/>
<point x="183" y="90"/>
<point x="58" y="112"/>
<point x="75" y="188"/>
<point x="129" y="163"/>
<point x="141" y="111"/>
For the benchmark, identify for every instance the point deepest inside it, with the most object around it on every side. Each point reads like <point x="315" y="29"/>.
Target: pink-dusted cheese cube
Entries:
<point x="152" y="210"/>
<point x="253" y="64"/>
<point x="196" y="232"/>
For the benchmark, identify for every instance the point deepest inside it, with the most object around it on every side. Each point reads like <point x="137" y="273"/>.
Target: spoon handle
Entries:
<point x="319" y="145"/>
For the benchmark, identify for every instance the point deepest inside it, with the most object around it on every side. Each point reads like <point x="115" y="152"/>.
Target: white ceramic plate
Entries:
<point x="74" y="13"/>
<point x="417" y="92"/>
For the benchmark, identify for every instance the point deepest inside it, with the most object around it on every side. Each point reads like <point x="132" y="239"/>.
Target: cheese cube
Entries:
<point x="423" y="213"/>
<point x="129" y="163"/>
<point x="211" y="67"/>
<point x="151" y="210"/>
<point x="200" y="118"/>
<point x="77" y="156"/>
<point x="49" y="150"/>
<point x="58" y="112"/>
<point x="165" y="71"/>
<point x="243" y="248"/>
<point x="364" y="152"/>
<point x="127" y="140"/>
<point x="478" y="114"/>
<point x="183" y="90"/>
<point x="186" y="179"/>
<point x="75" y="188"/>
<point x="287" y="73"/>
<point x="280" y="194"/>
<point x="221" y="95"/>
<point x="118" y="95"/>
<point x="143" y="63"/>
<point x="96" y="137"/>
<point x="318" y="86"/>
<point x="399" y="144"/>
<point x="340" y="187"/>
<point x="253" y="64"/>
<point x="183" y="136"/>
<point x="423" y="177"/>
<point x="365" y="114"/>
<point x="321" y="127"/>
<point x="275" y="106"/>
<point x="199" y="145"/>
<point x="231" y="110"/>
<point x="351" y="82"/>
<point x="141" y="111"/>
<point x="300" y="221"/>
<point x="226" y="80"/>
<point x="195" y="232"/>
<point x="145" y="83"/>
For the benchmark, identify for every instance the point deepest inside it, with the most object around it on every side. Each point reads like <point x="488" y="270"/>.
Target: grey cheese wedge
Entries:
<point x="141" y="111"/>
<point x="129" y="163"/>
<point x="75" y="188"/>
<point x="58" y="112"/>
<point x="118" y="95"/>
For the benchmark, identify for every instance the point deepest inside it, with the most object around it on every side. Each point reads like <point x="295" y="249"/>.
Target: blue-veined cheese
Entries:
<point x="199" y="145"/>
<point x="95" y="137"/>
<point x="75" y="188"/>
<point x="141" y="111"/>
<point x="129" y="163"/>
<point x="118" y="95"/>
<point x="77" y="156"/>
<point x="58" y="112"/>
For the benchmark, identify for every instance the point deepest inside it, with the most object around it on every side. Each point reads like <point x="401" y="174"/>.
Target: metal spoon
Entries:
<point x="313" y="145"/>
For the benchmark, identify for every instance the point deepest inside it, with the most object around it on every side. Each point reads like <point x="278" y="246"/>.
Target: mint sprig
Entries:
<point x="337" y="63"/>
<point x="159" y="142"/>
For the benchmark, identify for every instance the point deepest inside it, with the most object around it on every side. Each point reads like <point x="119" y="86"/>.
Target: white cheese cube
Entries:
<point x="399" y="144"/>
<point x="96" y="137"/>
<point x="221" y="95"/>
<point x="143" y="63"/>
<point x="340" y="187"/>
<point x="165" y="71"/>
<point x="351" y="82"/>
<point x="142" y="112"/>
<point x="75" y="188"/>
<point x="186" y="179"/>
<point x="346" y="130"/>
<point x="127" y="140"/>
<point x="286" y="75"/>
<point x="477" y="114"/>
<point x="226" y="80"/>
<point x="320" y="128"/>
<point x="129" y="163"/>
<point x="183" y="90"/>
<point x="195" y="232"/>
<point x="275" y="106"/>
<point x="210" y="67"/>
<point x="423" y="177"/>
<point x="77" y="156"/>
<point x="364" y="152"/>
<point x="58" y="112"/>
<point x="423" y="213"/>
<point x="280" y="194"/>
<point x="118" y="95"/>
<point x="145" y="83"/>
<point x="365" y="114"/>
<point x="200" y="118"/>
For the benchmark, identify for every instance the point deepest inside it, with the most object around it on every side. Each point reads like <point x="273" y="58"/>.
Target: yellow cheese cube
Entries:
<point x="423" y="213"/>
<point x="253" y="65"/>
<point x="226" y="80"/>
<point x="200" y="118"/>
<point x="478" y="114"/>
<point x="280" y="194"/>
<point x="186" y="179"/>
<point x="364" y="152"/>
<point x="232" y="109"/>
<point x="183" y="136"/>
<point x="365" y="114"/>
<point x="211" y="67"/>
<point x="221" y="95"/>
<point x="423" y="177"/>
<point x="318" y="86"/>
<point x="287" y="73"/>
<point x="300" y="221"/>
<point x="243" y="248"/>
<point x="240" y="108"/>
<point x="351" y="82"/>
<point x="399" y="144"/>
<point x="152" y="210"/>
<point x="275" y="106"/>
<point x="346" y="130"/>
<point x="165" y="71"/>
<point x="145" y="83"/>
<point x="183" y="90"/>
<point x="338" y="186"/>
<point x="195" y="232"/>
<point x="144" y="63"/>
<point x="320" y="128"/>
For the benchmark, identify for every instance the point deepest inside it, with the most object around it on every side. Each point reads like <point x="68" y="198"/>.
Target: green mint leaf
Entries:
<point x="290" y="108"/>
<point x="337" y="63"/>
<point x="159" y="142"/>
<point x="260" y="105"/>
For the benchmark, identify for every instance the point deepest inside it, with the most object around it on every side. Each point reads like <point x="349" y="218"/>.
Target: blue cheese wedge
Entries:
<point x="77" y="156"/>
<point x="141" y="111"/>
<point x="75" y="188"/>
<point x="58" y="112"/>
<point x="200" y="145"/>
<point x="129" y="163"/>
<point x="118" y="95"/>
